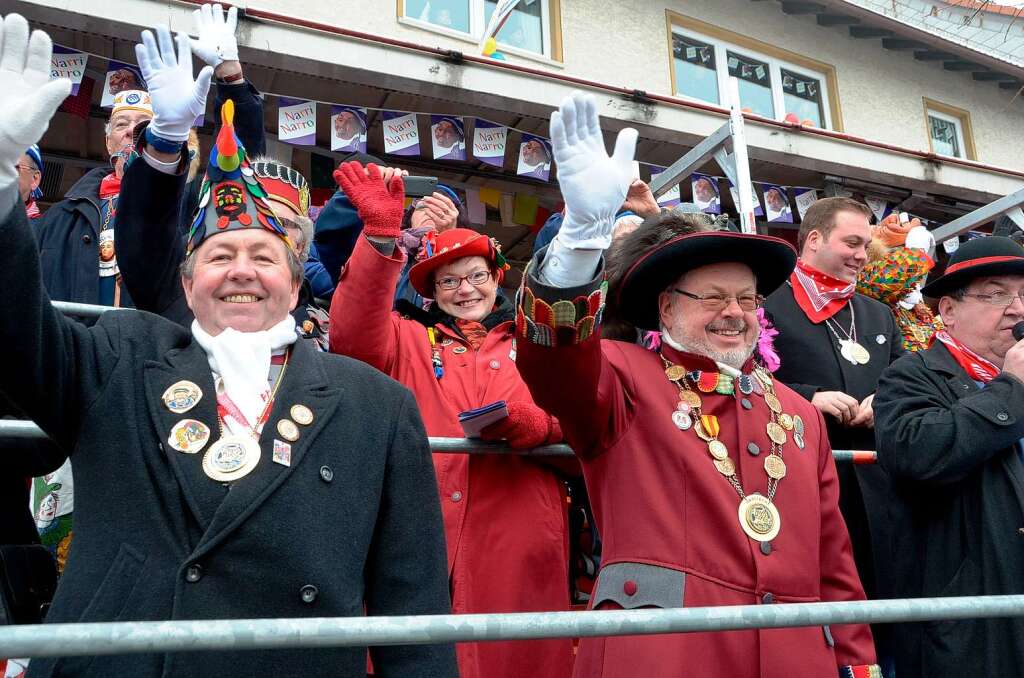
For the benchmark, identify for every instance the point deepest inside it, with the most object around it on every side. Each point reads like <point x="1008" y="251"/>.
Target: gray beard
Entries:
<point x="735" y="358"/>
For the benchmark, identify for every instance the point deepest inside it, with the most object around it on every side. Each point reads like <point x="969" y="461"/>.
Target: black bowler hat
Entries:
<point x="981" y="257"/>
<point x="771" y="259"/>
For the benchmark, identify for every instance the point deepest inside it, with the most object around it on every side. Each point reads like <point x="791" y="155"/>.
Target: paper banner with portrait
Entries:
<point x="805" y="197"/>
<point x="534" y="157"/>
<point x="489" y="142"/>
<point x="296" y="121"/>
<point x="448" y="137"/>
<point x="401" y="135"/>
<point x="70" y="64"/>
<point x="120" y="77"/>
<point x="705" y="193"/>
<point x="776" y="204"/>
<point x="670" y="198"/>
<point x="758" y="212"/>
<point x="348" y="128"/>
<point x="880" y="207"/>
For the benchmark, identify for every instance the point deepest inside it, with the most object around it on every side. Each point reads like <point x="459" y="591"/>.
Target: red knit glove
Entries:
<point x="380" y="206"/>
<point x="525" y="426"/>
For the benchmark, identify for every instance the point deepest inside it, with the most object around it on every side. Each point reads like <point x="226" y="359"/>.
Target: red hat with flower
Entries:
<point x="436" y="250"/>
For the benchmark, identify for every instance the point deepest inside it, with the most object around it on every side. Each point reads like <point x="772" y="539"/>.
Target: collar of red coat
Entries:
<point x="692" y="361"/>
<point x="818" y="294"/>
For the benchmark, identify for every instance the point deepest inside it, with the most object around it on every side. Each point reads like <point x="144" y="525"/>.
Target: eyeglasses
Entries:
<point x="27" y="168"/>
<point x="1000" y="299"/>
<point x="453" y="282"/>
<point x="719" y="302"/>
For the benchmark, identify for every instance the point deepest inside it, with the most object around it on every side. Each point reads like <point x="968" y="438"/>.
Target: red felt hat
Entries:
<point x="440" y="249"/>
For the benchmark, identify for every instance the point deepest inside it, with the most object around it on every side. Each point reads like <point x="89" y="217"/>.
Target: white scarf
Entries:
<point x="242" y="361"/>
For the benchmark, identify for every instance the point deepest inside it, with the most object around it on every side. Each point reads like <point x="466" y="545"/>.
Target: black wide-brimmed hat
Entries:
<point x="771" y="259"/>
<point x="981" y="257"/>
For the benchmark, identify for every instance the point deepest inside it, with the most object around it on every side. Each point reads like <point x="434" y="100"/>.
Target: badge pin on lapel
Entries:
<point x="282" y="453"/>
<point x="182" y="396"/>
<point x="189" y="436"/>
<point x="301" y="414"/>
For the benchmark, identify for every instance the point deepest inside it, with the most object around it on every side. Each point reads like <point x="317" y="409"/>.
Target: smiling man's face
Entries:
<point x="845" y="251"/>
<point x="241" y="279"/>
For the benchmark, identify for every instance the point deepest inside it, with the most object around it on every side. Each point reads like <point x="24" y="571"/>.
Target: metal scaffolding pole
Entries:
<point x="65" y="640"/>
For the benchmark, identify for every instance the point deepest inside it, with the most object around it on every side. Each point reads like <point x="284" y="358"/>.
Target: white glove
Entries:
<point x="30" y="97"/>
<point x="177" y="99"/>
<point x="920" y="238"/>
<point x="216" y="42"/>
<point x="593" y="184"/>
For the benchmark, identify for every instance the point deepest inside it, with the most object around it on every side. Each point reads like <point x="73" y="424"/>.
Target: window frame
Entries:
<point x="551" y="29"/>
<point x="777" y="58"/>
<point x="959" y="117"/>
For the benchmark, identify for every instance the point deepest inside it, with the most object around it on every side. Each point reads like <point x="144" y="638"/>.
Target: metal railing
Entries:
<point x="62" y="640"/>
<point x="18" y="428"/>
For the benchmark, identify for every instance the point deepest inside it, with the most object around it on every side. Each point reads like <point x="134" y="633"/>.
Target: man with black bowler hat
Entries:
<point x="949" y="423"/>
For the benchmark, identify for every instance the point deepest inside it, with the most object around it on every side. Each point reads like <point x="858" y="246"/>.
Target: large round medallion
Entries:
<point x="859" y="353"/>
<point x="230" y="458"/>
<point x="759" y="518"/>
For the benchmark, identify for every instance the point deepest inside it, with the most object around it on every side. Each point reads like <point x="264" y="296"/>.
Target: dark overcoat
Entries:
<point x="352" y="520"/>
<point x="952" y="452"/>
<point x="810" y="363"/>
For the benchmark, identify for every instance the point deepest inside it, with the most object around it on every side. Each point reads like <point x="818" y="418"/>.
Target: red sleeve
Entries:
<point x="855" y="648"/>
<point x="563" y="362"/>
<point x="363" y="326"/>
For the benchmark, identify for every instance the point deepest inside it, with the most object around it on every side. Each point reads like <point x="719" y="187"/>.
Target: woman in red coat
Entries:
<point x="505" y="515"/>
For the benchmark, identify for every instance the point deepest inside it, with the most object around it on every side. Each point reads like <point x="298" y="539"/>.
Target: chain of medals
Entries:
<point x="234" y="456"/>
<point x="849" y="348"/>
<point x="757" y="515"/>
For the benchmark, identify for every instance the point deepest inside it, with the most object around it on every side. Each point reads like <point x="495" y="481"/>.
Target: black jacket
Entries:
<point x="810" y="363"/>
<point x="355" y="515"/>
<point x="68" y="233"/>
<point x="951" y="451"/>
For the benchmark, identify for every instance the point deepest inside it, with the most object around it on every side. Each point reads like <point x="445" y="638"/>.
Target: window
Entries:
<point x="532" y="29"/>
<point x="772" y="82"/>
<point x="949" y="130"/>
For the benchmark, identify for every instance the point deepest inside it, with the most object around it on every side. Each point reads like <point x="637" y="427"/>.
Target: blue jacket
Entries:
<point x="335" y="233"/>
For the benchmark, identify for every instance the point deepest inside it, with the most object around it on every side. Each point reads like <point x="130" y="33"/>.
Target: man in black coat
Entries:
<point x="72" y="231"/>
<point x="949" y="422"/>
<point x="833" y="345"/>
<point x="187" y="506"/>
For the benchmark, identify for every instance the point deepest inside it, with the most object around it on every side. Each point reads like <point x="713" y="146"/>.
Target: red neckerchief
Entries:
<point x="473" y="331"/>
<point x="976" y="367"/>
<point x="32" y="209"/>
<point x="110" y="187"/>
<point x="818" y="294"/>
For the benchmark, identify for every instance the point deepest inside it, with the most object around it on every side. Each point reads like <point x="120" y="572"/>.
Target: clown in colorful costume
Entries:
<point x="899" y="264"/>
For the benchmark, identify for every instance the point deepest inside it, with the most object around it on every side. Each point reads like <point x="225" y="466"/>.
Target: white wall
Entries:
<point x="625" y="43"/>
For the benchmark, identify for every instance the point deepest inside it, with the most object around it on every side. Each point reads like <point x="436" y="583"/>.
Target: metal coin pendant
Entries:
<point x="230" y="458"/>
<point x="682" y="420"/>
<point x="776" y="433"/>
<point x="846" y="350"/>
<point x="775" y="467"/>
<point x="675" y="372"/>
<point x="725" y="467"/>
<point x="773" y="402"/>
<point x="759" y="518"/>
<point x="718" y="450"/>
<point x="859" y="353"/>
<point x="690" y="398"/>
<point x="786" y="421"/>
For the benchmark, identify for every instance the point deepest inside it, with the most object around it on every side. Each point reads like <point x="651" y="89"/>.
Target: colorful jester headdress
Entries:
<point x="232" y="197"/>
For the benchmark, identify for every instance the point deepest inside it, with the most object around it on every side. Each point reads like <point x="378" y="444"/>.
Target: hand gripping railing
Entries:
<point x="63" y="640"/>
<point x="16" y="428"/>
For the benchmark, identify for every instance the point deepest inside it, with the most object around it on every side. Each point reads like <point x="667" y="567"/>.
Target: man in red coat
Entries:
<point x="712" y="484"/>
<point x="505" y="516"/>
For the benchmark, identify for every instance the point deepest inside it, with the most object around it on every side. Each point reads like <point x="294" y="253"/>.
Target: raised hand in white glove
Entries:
<point x="216" y="42"/>
<point x="30" y="97"/>
<point x="593" y="184"/>
<point x="921" y="238"/>
<point x="177" y="98"/>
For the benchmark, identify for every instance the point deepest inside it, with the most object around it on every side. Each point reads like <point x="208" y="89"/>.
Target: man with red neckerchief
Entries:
<point x="833" y="344"/>
<point x="712" y="483"/>
<point x="949" y="426"/>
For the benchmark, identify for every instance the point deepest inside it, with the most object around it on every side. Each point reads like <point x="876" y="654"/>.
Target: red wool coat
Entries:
<point x="505" y="517"/>
<point x="669" y="520"/>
